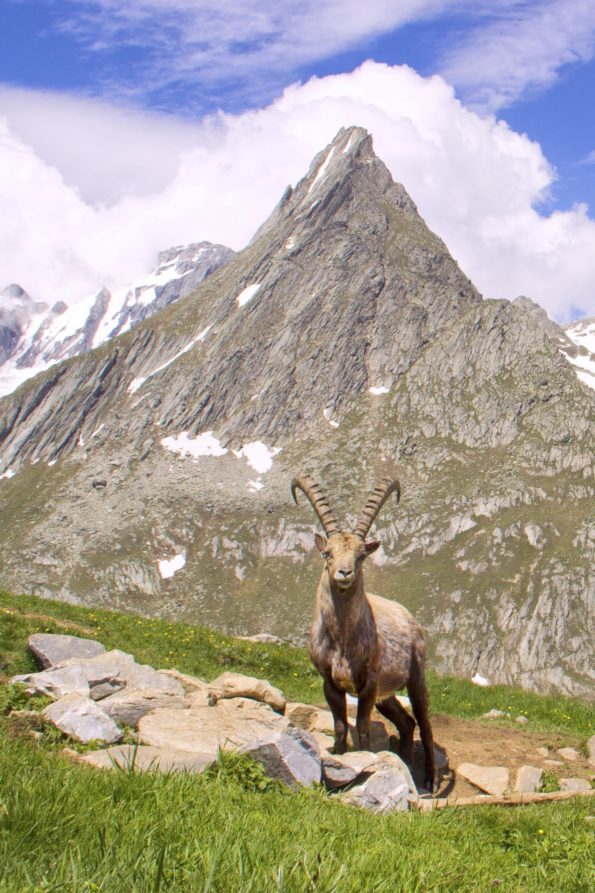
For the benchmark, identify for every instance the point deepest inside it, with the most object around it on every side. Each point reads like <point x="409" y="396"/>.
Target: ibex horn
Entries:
<point x="318" y="500"/>
<point x="376" y="500"/>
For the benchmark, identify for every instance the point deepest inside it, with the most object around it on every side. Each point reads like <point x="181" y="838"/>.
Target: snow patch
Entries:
<point x="321" y="170"/>
<point x="258" y="455"/>
<point x="204" y="333"/>
<point x="8" y="474"/>
<point x="169" y="567"/>
<point x="480" y="680"/>
<point x="202" y="445"/>
<point x="135" y="384"/>
<point x="327" y="413"/>
<point x="587" y="378"/>
<point x="291" y="243"/>
<point x="380" y="389"/>
<point x="255" y="485"/>
<point x="349" y="142"/>
<point x="248" y="293"/>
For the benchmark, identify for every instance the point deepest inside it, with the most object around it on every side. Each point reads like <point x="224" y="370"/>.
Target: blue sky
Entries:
<point x="146" y="79"/>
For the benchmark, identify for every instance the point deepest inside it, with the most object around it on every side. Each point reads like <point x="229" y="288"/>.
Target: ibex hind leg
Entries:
<point x="418" y="696"/>
<point x="338" y="705"/>
<point x="393" y="711"/>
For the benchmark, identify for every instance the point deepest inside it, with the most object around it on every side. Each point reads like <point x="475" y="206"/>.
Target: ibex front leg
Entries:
<point x="366" y="698"/>
<point x="338" y="704"/>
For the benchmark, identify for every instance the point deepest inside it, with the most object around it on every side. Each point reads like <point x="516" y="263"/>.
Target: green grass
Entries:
<point x="67" y="828"/>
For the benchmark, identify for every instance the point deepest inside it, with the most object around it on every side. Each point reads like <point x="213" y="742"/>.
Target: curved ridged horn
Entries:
<point x="318" y="500"/>
<point x="376" y="500"/>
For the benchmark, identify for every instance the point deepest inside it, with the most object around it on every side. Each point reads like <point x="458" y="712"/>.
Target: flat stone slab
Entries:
<point x="236" y="685"/>
<point x="55" y="682"/>
<point x="129" y="706"/>
<point x="143" y="758"/>
<point x="491" y="779"/>
<point x="200" y="728"/>
<point x="50" y="649"/>
<point x="99" y="676"/>
<point x="528" y="780"/>
<point x="81" y="717"/>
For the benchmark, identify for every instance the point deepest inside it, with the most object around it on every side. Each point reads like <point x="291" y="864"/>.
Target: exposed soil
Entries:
<point x="488" y="743"/>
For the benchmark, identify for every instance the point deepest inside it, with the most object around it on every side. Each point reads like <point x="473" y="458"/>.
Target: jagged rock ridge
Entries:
<point x="34" y="337"/>
<point x="343" y="332"/>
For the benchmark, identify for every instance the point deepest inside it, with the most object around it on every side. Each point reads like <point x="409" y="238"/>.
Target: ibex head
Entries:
<point x="343" y="552"/>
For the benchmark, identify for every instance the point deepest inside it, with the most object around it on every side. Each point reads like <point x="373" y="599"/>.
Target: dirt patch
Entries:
<point x="489" y="743"/>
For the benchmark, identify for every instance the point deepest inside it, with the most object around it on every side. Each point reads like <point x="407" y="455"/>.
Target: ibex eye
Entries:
<point x="326" y="555"/>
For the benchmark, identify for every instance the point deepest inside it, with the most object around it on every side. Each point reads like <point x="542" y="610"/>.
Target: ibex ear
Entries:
<point x="320" y="542"/>
<point x="371" y="547"/>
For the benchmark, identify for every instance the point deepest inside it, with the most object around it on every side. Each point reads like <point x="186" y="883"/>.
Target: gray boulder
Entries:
<point x="290" y="756"/>
<point x="528" y="780"/>
<point x="387" y="790"/>
<point x="591" y="750"/>
<point x="50" y="649"/>
<point x="359" y="765"/>
<point x="80" y="717"/>
<point x="336" y="774"/>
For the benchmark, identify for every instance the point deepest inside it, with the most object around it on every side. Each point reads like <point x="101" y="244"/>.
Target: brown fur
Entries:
<point x="370" y="647"/>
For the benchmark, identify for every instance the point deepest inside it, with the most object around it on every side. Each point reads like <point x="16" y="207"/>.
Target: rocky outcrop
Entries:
<point x="342" y="333"/>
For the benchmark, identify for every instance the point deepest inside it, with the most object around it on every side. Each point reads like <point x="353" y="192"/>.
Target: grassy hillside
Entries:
<point x="65" y="827"/>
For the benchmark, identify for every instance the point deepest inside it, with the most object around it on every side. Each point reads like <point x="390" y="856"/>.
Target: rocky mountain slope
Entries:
<point x="153" y="472"/>
<point x="33" y="336"/>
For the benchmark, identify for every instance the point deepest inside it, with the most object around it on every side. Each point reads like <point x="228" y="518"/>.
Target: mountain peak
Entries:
<point x="344" y="174"/>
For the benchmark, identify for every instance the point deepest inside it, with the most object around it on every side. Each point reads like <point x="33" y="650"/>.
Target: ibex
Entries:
<point x="363" y="644"/>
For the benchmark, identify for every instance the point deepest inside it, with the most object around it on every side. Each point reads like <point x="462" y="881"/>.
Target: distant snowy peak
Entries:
<point x="34" y="337"/>
<point x="582" y="336"/>
<point x="17" y="310"/>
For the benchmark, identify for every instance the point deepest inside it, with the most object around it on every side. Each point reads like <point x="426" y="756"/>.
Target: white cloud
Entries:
<point x="475" y="181"/>
<point x="245" y="42"/>
<point x="520" y="51"/>
<point x="132" y="151"/>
